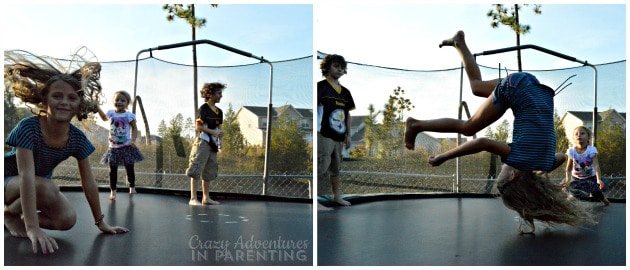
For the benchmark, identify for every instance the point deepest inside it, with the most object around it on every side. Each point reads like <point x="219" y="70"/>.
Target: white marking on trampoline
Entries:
<point x="204" y="218"/>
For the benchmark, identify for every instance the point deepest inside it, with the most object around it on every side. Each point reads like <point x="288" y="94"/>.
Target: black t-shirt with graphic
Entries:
<point x="336" y="106"/>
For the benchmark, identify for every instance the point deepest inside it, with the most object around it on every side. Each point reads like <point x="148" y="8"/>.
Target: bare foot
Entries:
<point x="527" y="226"/>
<point x="436" y="160"/>
<point x="457" y="38"/>
<point x="320" y="207"/>
<point x="208" y="201"/>
<point x="194" y="202"/>
<point x="342" y="202"/>
<point x="132" y="191"/>
<point x="410" y="134"/>
<point x="15" y="225"/>
<point x="112" y="195"/>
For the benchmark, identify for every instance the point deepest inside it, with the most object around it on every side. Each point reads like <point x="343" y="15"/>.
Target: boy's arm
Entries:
<point x="348" y="139"/>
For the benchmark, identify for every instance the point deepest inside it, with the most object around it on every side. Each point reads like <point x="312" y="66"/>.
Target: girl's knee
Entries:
<point x="47" y="192"/>
<point x="53" y="204"/>
<point x="66" y="220"/>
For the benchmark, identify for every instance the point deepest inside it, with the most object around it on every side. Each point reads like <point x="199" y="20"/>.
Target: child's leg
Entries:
<point x="55" y="211"/>
<point x="113" y="181"/>
<point x="483" y="117"/>
<point x="205" y="188"/>
<point x="479" y="87"/>
<point x="472" y="147"/>
<point x="599" y="195"/>
<point x="210" y="172"/>
<point x="193" y="192"/>
<point x="131" y="177"/>
<point x="336" y="190"/>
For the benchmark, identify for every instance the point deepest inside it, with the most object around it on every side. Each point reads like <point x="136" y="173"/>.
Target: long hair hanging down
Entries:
<point x="536" y="197"/>
<point x="27" y="75"/>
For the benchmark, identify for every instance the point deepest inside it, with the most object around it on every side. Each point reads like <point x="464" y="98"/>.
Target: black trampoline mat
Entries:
<point x="165" y="230"/>
<point x="462" y="232"/>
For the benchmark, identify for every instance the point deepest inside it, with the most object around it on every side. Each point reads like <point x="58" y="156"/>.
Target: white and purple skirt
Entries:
<point x="125" y="155"/>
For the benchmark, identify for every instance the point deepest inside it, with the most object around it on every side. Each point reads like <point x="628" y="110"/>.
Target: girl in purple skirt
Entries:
<point x="122" y="135"/>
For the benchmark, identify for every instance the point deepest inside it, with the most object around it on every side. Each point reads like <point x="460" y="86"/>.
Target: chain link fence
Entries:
<point x="284" y="186"/>
<point x="359" y="179"/>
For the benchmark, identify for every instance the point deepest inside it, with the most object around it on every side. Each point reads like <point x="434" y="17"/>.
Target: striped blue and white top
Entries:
<point x="533" y="144"/>
<point x="28" y="135"/>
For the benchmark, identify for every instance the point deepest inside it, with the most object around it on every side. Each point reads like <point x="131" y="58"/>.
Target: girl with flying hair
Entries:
<point x="522" y="182"/>
<point x="57" y="94"/>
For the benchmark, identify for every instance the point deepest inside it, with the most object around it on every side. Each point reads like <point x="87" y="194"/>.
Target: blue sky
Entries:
<point x="119" y="31"/>
<point x="406" y="35"/>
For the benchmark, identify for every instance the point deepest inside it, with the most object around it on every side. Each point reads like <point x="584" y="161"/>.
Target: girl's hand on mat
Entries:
<point x="111" y="229"/>
<point x="47" y="243"/>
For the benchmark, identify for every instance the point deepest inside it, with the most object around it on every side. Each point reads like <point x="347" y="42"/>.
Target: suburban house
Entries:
<point x="357" y="134"/>
<point x="253" y="122"/>
<point x="573" y="119"/>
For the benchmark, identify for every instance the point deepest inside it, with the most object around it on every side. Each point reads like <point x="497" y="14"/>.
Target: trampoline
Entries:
<point x="166" y="231"/>
<point x="461" y="230"/>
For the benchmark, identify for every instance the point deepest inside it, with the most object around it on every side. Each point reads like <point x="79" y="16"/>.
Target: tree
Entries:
<point x="502" y="131"/>
<point x="175" y="132"/>
<point x="501" y="134"/>
<point x="289" y="149"/>
<point x="371" y="131"/>
<point x="11" y="117"/>
<point x="159" y="151"/>
<point x="189" y="128"/>
<point x="188" y="14"/>
<point x="389" y="132"/>
<point x="611" y="145"/>
<point x="562" y="141"/>
<point x="501" y="15"/>
<point x="233" y="139"/>
<point x="402" y="104"/>
<point x="172" y="142"/>
<point x="162" y="128"/>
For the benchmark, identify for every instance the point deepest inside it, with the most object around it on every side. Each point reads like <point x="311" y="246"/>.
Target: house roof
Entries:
<point x="262" y="111"/>
<point x="359" y="136"/>
<point x="357" y="120"/>
<point x="259" y="111"/>
<point x="588" y="116"/>
<point x="607" y="113"/>
<point x="304" y="113"/>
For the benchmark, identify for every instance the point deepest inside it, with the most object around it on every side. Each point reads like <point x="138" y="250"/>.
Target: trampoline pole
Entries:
<point x="458" y="168"/>
<point x="268" y="136"/>
<point x="136" y="98"/>
<point x="594" y="105"/>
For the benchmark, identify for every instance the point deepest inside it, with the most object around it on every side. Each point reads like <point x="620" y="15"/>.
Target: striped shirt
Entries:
<point x="533" y="144"/>
<point x="28" y="135"/>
